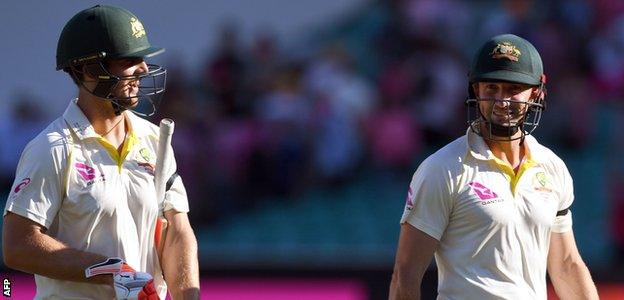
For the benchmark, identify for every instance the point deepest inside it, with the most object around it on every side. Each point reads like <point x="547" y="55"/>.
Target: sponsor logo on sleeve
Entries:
<point x="20" y="186"/>
<point x="409" y="202"/>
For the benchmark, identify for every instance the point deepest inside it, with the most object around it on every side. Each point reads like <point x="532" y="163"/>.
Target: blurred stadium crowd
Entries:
<point x="376" y="92"/>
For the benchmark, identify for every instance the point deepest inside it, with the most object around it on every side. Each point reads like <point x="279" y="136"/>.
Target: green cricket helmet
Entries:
<point x="101" y="33"/>
<point x="512" y="59"/>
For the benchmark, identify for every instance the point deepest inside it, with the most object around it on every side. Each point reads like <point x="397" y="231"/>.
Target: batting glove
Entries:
<point x="129" y="284"/>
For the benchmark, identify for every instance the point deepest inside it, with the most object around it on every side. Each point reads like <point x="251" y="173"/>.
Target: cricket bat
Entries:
<point x="164" y="156"/>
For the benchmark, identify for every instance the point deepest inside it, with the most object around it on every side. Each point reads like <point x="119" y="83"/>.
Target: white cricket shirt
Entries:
<point x="494" y="226"/>
<point x="75" y="183"/>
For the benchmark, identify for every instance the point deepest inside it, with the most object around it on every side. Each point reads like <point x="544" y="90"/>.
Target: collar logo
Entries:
<point x="541" y="182"/>
<point x="146" y="154"/>
<point x="506" y="50"/>
<point x="137" y="28"/>
<point x="148" y="158"/>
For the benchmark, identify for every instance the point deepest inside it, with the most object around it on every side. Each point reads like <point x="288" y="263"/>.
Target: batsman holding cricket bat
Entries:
<point x="97" y="210"/>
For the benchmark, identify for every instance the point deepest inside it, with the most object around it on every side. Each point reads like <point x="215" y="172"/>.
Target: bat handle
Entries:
<point x="160" y="234"/>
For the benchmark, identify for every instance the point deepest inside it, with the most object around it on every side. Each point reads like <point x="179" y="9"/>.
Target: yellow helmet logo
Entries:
<point x="137" y="28"/>
<point x="506" y="50"/>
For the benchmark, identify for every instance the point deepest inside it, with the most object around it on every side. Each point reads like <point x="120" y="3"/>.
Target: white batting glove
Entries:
<point x="129" y="284"/>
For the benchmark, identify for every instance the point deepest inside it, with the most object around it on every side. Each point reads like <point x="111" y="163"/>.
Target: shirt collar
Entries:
<point x="137" y="124"/>
<point x="480" y="150"/>
<point x="78" y="122"/>
<point x="83" y="129"/>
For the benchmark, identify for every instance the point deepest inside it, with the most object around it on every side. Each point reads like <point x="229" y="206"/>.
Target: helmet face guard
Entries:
<point x="506" y="58"/>
<point x="503" y="125"/>
<point x="145" y="103"/>
<point x="102" y="32"/>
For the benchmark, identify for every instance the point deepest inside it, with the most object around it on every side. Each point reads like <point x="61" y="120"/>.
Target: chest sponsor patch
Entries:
<point x="486" y="195"/>
<point x="87" y="173"/>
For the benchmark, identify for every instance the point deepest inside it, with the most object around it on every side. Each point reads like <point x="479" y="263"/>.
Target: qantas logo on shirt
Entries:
<point x="87" y="173"/>
<point x="486" y="195"/>
<point x="21" y="185"/>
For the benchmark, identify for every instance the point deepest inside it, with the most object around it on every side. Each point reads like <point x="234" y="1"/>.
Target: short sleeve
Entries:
<point x="429" y="202"/>
<point x="563" y="220"/>
<point x="37" y="191"/>
<point x="175" y="196"/>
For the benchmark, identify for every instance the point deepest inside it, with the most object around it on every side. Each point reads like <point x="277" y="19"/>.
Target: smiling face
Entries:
<point x="504" y="103"/>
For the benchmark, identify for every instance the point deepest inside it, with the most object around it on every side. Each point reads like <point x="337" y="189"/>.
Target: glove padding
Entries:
<point x="129" y="284"/>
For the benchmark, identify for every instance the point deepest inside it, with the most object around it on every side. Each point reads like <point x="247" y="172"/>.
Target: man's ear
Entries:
<point x="536" y="94"/>
<point x="475" y="89"/>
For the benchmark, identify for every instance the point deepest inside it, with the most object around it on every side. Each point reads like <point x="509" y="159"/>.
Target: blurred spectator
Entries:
<point x="193" y="119"/>
<point x="261" y="66"/>
<point x="606" y="11"/>
<point x="26" y="118"/>
<point x="441" y="89"/>
<point x="608" y="64"/>
<point x="231" y="148"/>
<point x="394" y="137"/>
<point x="342" y="100"/>
<point x="616" y="194"/>
<point x="283" y="114"/>
<point x="224" y="73"/>
<point x="521" y="17"/>
<point x="445" y="21"/>
<point x="572" y="122"/>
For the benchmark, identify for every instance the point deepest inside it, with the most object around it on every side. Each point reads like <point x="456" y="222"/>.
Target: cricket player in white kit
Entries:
<point x="494" y="205"/>
<point x="82" y="212"/>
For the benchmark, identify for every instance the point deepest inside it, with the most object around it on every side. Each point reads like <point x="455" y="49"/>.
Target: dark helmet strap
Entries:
<point x="503" y="131"/>
<point x="104" y="85"/>
<point x="497" y="129"/>
<point x="117" y="108"/>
